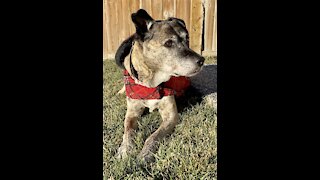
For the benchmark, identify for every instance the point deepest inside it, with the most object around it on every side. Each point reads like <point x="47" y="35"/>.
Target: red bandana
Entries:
<point x="175" y="86"/>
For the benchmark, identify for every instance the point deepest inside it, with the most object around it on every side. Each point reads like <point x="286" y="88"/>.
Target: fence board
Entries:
<point x="117" y="24"/>
<point x="108" y="29"/>
<point x="214" y="45"/>
<point x="183" y="11"/>
<point x="126" y="20"/>
<point x="156" y="9"/>
<point x="196" y="25"/>
<point x="104" y="36"/>
<point x="112" y="16"/>
<point x="167" y="9"/>
<point x="209" y="15"/>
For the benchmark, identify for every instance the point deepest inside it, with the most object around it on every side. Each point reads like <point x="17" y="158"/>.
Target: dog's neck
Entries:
<point x="143" y="74"/>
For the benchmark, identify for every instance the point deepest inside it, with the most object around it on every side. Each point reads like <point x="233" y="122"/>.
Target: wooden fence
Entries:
<point x="199" y="16"/>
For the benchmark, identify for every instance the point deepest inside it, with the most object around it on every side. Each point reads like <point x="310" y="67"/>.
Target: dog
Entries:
<point x="157" y="63"/>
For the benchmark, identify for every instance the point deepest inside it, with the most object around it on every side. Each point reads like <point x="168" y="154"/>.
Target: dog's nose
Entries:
<point x="200" y="61"/>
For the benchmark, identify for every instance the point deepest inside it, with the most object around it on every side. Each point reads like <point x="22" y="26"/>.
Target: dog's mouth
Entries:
<point x="194" y="73"/>
<point x="189" y="74"/>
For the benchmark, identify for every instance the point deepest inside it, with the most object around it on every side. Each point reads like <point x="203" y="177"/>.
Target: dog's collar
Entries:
<point x="175" y="86"/>
<point x="133" y="70"/>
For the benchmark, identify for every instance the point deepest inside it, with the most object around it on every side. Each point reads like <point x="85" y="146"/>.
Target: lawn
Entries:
<point x="189" y="153"/>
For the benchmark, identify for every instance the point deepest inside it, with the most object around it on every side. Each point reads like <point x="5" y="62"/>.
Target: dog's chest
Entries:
<point x="152" y="104"/>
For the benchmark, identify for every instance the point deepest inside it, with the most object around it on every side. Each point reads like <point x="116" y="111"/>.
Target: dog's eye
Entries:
<point x="168" y="43"/>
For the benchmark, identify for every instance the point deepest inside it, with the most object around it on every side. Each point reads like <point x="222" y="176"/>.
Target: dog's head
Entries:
<point x="162" y="50"/>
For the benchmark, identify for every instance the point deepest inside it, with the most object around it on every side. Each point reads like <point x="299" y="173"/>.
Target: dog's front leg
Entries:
<point x="134" y="110"/>
<point x="169" y="113"/>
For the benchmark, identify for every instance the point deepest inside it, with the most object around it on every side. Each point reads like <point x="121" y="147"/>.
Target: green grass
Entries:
<point x="189" y="153"/>
<point x="211" y="60"/>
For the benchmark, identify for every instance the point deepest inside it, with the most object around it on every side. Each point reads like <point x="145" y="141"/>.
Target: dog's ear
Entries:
<point x="123" y="51"/>
<point x="142" y="21"/>
<point x="177" y="20"/>
<point x="180" y="27"/>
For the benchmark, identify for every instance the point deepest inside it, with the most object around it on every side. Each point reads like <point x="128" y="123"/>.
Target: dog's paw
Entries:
<point x="148" y="150"/>
<point x="146" y="157"/>
<point x="124" y="151"/>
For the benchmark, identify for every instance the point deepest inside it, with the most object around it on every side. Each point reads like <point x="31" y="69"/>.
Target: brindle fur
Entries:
<point x="155" y="62"/>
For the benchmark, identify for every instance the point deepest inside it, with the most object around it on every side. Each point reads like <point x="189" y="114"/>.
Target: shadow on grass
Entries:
<point x="202" y="84"/>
